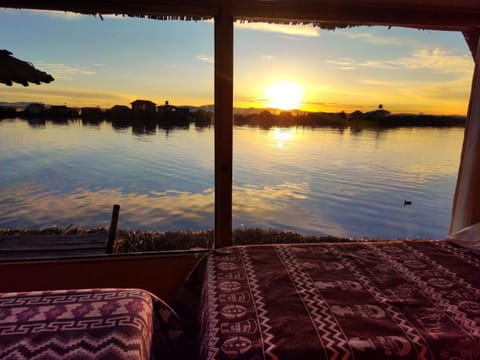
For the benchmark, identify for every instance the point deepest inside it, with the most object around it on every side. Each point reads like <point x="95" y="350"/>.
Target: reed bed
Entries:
<point x="132" y="241"/>
<point x="138" y="241"/>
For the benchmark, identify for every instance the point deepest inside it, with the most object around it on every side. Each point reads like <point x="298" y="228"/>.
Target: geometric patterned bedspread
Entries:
<point x="396" y="299"/>
<point x="88" y="324"/>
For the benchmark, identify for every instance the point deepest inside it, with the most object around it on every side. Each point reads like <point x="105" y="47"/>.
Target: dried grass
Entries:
<point x="138" y="241"/>
<point x="130" y="241"/>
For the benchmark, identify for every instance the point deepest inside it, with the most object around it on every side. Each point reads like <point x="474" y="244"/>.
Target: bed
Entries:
<point x="88" y="324"/>
<point x="363" y="300"/>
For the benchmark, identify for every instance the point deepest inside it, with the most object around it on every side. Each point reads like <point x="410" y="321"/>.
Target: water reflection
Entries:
<point x="336" y="181"/>
<point x="31" y="205"/>
<point x="141" y="129"/>
<point x="37" y="123"/>
<point x="93" y="123"/>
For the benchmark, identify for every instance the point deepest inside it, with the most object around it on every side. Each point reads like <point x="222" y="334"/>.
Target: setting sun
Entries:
<point x="284" y="95"/>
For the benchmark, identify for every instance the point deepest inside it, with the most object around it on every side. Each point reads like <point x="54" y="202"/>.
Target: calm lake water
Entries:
<point x="313" y="181"/>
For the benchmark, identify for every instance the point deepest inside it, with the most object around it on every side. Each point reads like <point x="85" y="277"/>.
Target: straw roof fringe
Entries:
<point x="459" y="15"/>
<point x="18" y="71"/>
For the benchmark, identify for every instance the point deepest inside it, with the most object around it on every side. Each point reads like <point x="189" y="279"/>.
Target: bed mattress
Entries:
<point x="88" y="324"/>
<point x="376" y="300"/>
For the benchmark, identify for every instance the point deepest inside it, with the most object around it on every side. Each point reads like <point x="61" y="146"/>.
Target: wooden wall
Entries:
<point x="162" y="275"/>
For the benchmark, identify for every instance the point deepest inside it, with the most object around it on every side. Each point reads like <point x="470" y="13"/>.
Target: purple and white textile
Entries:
<point x="88" y="324"/>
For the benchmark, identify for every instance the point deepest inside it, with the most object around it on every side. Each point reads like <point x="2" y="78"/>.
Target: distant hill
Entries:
<point x="15" y="104"/>
<point x="253" y="111"/>
<point x="243" y="111"/>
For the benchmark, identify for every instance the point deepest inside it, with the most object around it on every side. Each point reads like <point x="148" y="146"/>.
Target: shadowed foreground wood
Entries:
<point x="16" y="247"/>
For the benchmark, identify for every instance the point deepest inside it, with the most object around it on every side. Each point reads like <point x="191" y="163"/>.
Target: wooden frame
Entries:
<point x="459" y="15"/>
<point x="223" y="127"/>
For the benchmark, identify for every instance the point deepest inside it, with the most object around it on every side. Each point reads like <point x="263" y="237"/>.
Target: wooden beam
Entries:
<point x="113" y="229"/>
<point x="466" y="203"/>
<point x="223" y="127"/>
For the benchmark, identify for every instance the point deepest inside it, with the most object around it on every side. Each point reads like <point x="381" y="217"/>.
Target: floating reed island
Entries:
<point x="379" y="118"/>
<point x="145" y="113"/>
<point x="134" y="241"/>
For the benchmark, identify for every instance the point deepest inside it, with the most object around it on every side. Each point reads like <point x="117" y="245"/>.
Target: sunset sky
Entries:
<point x="118" y="60"/>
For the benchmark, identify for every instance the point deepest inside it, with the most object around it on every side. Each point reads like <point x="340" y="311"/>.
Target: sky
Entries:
<point x="117" y="60"/>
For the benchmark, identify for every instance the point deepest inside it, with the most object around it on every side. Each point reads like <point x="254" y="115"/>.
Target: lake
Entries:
<point x="340" y="182"/>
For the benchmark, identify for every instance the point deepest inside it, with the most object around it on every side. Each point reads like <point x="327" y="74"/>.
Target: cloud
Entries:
<point x="206" y="58"/>
<point x="172" y="208"/>
<point x="295" y="30"/>
<point x="456" y="90"/>
<point x="438" y="60"/>
<point x="49" y="95"/>
<point x="376" y="82"/>
<point x="267" y="57"/>
<point x="343" y="63"/>
<point x="65" y="72"/>
<point x="373" y="38"/>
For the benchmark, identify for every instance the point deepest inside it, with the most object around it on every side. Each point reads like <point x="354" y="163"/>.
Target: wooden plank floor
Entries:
<point x="26" y="247"/>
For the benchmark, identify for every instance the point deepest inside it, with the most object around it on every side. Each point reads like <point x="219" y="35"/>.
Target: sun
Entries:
<point x="284" y="95"/>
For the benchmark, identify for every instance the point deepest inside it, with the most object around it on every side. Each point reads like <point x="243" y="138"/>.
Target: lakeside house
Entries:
<point x="91" y="112"/>
<point x="34" y="109"/>
<point x="61" y="111"/>
<point x="172" y="112"/>
<point x="166" y="108"/>
<point x="145" y="106"/>
<point x="119" y="109"/>
<point x="377" y="114"/>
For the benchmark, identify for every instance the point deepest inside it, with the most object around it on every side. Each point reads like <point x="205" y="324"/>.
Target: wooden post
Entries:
<point x="466" y="203"/>
<point x="223" y="125"/>
<point x="113" y="229"/>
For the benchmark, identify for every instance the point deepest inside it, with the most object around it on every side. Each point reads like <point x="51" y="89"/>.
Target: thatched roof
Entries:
<point x="454" y="15"/>
<point x="18" y="71"/>
<point x="460" y="15"/>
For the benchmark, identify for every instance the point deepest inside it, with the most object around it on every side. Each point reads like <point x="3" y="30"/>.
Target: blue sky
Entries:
<point x="118" y="60"/>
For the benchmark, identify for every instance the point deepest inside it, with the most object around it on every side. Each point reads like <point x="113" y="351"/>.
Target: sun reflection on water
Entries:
<point x="283" y="135"/>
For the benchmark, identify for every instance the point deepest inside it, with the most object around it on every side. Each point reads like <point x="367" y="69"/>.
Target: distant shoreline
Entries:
<point x="132" y="241"/>
<point x="122" y="116"/>
<point x="356" y="119"/>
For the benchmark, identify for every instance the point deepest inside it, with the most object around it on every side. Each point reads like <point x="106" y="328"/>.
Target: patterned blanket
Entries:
<point x="397" y="300"/>
<point x="88" y="324"/>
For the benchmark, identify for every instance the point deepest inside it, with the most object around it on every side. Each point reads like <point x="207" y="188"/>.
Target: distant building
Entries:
<point x="34" y="109"/>
<point x="167" y="108"/>
<point x="172" y="112"/>
<point x="119" y="109"/>
<point x="183" y="111"/>
<point x="7" y="111"/>
<point x="376" y="114"/>
<point x="91" y="112"/>
<point x="58" y="111"/>
<point x="146" y="106"/>
<point x="357" y="115"/>
<point x="119" y="113"/>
